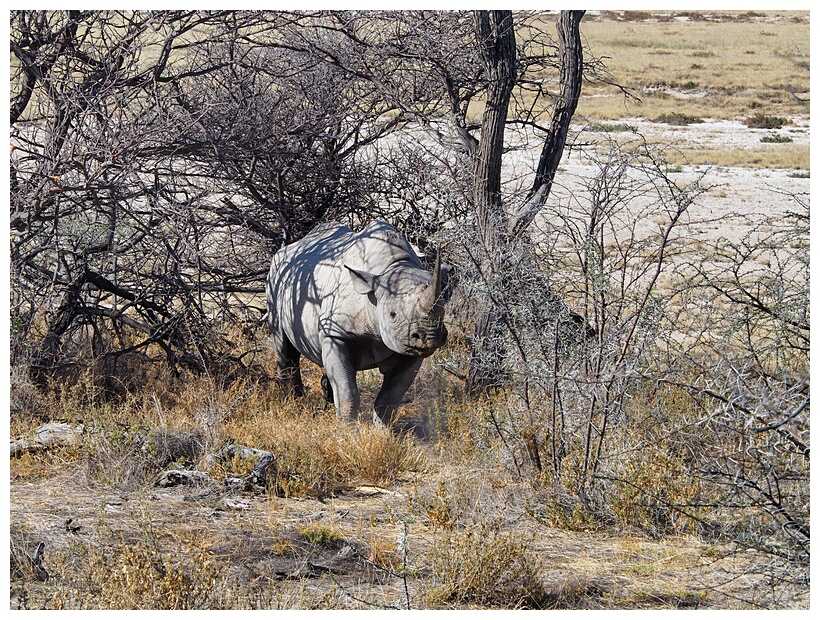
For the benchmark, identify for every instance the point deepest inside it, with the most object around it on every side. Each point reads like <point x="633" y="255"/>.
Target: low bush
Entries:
<point x="776" y="139"/>
<point x="611" y="127"/>
<point x="677" y="118"/>
<point x="320" y="534"/>
<point x="485" y="567"/>
<point x="765" y="121"/>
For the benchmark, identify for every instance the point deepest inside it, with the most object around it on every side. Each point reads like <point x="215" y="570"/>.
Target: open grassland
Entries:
<point x="718" y="65"/>
<point x="682" y="68"/>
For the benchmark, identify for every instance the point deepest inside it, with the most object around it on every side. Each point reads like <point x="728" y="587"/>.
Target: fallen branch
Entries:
<point x="47" y="436"/>
<point x="257" y="478"/>
<point x="176" y="477"/>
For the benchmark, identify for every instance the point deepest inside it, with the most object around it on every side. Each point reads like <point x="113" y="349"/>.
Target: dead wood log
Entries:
<point x="257" y="478"/>
<point x="47" y="436"/>
<point x="176" y="477"/>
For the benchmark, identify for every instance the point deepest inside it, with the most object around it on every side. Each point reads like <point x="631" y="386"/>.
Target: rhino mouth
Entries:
<point x="423" y="337"/>
<point x="424" y="347"/>
<point x="425" y="351"/>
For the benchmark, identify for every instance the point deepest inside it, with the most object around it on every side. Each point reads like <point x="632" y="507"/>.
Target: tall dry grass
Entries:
<point x="318" y="454"/>
<point x="723" y="67"/>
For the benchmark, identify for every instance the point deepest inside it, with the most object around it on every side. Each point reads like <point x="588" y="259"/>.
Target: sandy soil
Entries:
<point x="737" y="198"/>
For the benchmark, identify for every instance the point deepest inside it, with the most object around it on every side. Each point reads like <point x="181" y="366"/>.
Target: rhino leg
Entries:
<point x="287" y="366"/>
<point x="399" y="372"/>
<point x="327" y="390"/>
<point x="337" y="360"/>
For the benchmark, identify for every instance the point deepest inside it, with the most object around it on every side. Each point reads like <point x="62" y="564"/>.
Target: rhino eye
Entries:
<point x="392" y="315"/>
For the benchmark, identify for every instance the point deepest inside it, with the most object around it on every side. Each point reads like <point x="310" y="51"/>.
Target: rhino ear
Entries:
<point x="363" y="282"/>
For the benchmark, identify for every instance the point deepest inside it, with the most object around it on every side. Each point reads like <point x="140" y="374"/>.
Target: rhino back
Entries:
<point x="379" y="246"/>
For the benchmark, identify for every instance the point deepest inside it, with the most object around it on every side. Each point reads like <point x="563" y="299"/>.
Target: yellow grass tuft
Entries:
<point x="316" y="453"/>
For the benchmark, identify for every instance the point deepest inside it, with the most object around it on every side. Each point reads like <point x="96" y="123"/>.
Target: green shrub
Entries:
<point x="319" y="534"/>
<point x="775" y="139"/>
<point x="611" y="127"/>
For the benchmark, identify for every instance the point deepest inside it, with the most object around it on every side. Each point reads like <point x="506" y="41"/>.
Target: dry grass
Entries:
<point x="784" y="156"/>
<point x="317" y="454"/>
<point x="449" y="524"/>
<point x="485" y="567"/>
<point x="721" y="68"/>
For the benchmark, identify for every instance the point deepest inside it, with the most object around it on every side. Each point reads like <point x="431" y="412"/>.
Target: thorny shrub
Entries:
<point x="650" y="382"/>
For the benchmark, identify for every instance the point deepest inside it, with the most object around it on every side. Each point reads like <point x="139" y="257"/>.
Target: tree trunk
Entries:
<point x="496" y="40"/>
<point x="496" y="228"/>
<point x="571" y="56"/>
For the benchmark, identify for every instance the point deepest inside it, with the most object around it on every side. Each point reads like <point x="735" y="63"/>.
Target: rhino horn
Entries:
<point x="430" y="297"/>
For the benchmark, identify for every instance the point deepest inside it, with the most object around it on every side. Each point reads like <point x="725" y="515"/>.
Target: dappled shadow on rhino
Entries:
<point x="354" y="301"/>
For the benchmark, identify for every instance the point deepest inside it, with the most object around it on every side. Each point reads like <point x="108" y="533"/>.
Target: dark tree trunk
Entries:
<point x="571" y="54"/>
<point x="65" y="315"/>
<point x="496" y="228"/>
<point x="571" y="57"/>
<point x="496" y="40"/>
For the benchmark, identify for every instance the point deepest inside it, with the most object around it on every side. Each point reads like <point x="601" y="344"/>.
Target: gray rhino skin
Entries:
<point x="351" y="301"/>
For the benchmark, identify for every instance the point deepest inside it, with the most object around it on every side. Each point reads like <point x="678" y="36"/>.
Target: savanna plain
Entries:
<point x="496" y="500"/>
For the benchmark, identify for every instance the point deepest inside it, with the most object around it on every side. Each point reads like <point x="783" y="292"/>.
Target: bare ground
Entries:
<point x="737" y="197"/>
<point x="256" y="538"/>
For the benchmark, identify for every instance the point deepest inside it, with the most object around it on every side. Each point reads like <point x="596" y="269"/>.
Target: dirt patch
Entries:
<point x="367" y="547"/>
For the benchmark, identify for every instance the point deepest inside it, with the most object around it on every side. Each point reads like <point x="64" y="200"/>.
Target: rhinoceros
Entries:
<point x="352" y="301"/>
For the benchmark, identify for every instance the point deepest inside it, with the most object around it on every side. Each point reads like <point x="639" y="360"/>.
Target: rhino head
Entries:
<point x="409" y="306"/>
